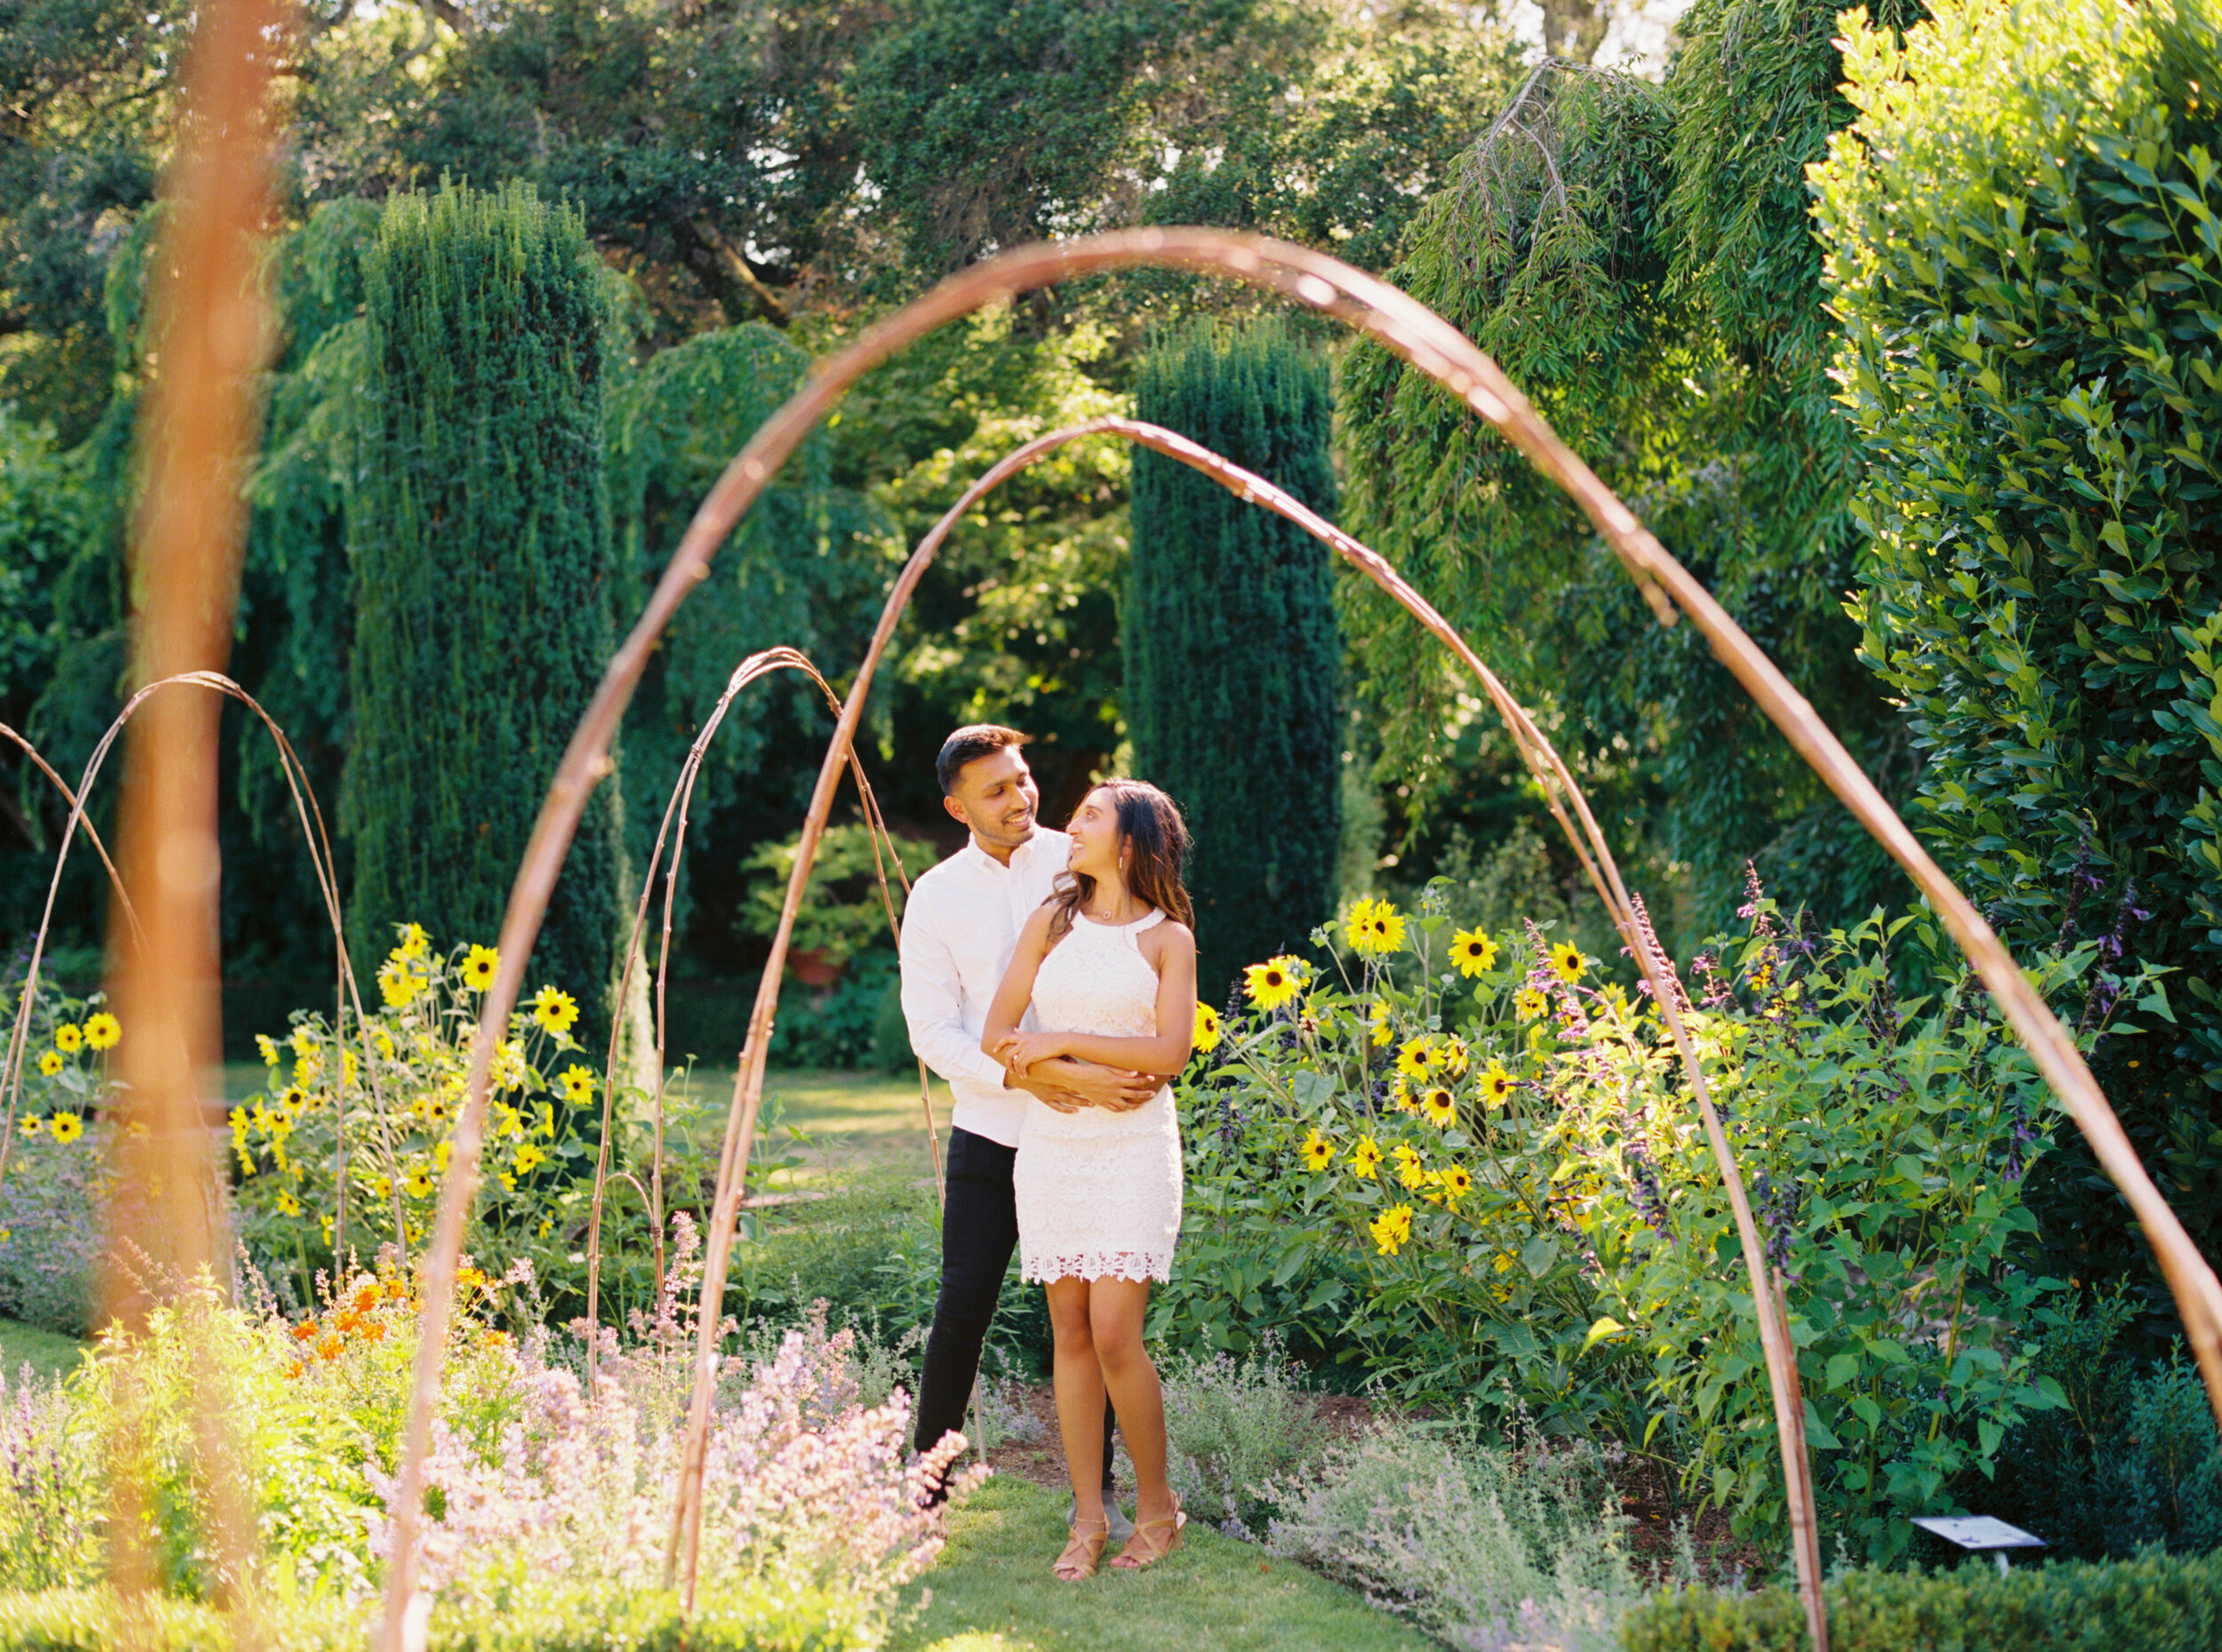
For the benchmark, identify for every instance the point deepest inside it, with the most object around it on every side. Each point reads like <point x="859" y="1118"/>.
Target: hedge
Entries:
<point x="2160" y="1603"/>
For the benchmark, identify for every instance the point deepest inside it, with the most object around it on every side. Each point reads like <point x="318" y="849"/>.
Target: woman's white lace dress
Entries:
<point x="1099" y="1193"/>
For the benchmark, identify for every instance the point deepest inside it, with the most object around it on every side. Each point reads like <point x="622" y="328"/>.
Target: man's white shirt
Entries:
<point x="960" y="929"/>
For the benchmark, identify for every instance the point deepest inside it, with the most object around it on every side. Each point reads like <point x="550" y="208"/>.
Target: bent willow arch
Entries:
<point x="1432" y="346"/>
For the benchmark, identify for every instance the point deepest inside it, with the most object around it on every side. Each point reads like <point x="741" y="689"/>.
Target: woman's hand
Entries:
<point x="1020" y="1050"/>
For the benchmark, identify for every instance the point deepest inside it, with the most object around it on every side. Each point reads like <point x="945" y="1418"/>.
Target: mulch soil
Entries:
<point x="1646" y="1485"/>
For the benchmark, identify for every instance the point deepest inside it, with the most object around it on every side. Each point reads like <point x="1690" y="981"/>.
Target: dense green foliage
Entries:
<point x="484" y="575"/>
<point x="1232" y="657"/>
<point x="2155" y="1604"/>
<point x="1638" y="258"/>
<point x="2024" y="246"/>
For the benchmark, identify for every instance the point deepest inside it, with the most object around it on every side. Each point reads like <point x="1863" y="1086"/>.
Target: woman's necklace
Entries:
<point x="1124" y="910"/>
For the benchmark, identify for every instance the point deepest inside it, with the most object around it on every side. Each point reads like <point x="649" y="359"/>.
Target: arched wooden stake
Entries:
<point x="1430" y="344"/>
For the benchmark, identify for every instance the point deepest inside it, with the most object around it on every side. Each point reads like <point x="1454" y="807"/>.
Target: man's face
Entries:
<point x="995" y="796"/>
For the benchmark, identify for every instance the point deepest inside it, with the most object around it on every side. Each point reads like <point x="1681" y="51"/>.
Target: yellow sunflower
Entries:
<point x="414" y="942"/>
<point x="50" y="1063"/>
<point x="399" y="982"/>
<point x="1365" y="1158"/>
<point x="1378" y="1015"/>
<point x="267" y="1045"/>
<point x="509" y="1071"/>
<point x="1411" y="1170"/>
<point x="69" y="1038"/>
<point x="1495" y="1085"/>
<point x="1207" y="1026"/>
<point x="1392" y="1228"/>
<point x="66" y="1127"/>
<point x="101" y="1030"/>
<point x="577" y="1083"/>
<point x="1318" y="1152"/>
<point x="417" y="1183"/>
<point x="529" y="1158"/>
<point x="27" y="1127"/>
<point x="1271" y="984"/>
<point x="287" y="1205"/>
<point x="1417" y="1059"/>
<point x="1529" y="1004"/>
<point x="1375" y="926"/>
<point x="554" y="1009"/>
<point x="479" y="966"/>
<point x="1458" y="1181"/>
<point x="1439" y="1106"/>
<point x="1473" y="951"/>
<point x="1566" y="958"/>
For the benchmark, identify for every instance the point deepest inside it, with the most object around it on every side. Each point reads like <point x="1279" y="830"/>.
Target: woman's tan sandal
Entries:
<point x="1083" y="1552"/>
<point x="1151" y="1541"/>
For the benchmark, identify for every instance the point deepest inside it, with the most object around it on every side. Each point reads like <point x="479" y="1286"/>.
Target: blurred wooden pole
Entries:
<point x="200" y="426"/>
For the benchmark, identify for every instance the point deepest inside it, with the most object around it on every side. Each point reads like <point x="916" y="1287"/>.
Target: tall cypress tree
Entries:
<point x="1232" y="655"/>
<point x="484" y="575"/>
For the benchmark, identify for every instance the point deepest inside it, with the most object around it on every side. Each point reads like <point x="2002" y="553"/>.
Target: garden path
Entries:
<point x="992" y="1592"/>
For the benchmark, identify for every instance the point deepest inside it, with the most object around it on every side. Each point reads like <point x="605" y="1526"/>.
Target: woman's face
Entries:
<point x="1095" y="835"/>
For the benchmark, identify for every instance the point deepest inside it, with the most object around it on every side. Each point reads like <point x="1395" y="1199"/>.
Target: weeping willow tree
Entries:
<point x="484" y="572"/>
<point x="1641" y="260"/>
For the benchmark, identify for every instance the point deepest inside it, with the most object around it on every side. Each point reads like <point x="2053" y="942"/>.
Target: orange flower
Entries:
<point x="366" y="1295"/>
<point x="294" y="1367"/>
<point x="305" y="1331"/>
<point x="374" y="1330"/>
<point x="347" y="1321"/>
<point x="328" y="1348"/>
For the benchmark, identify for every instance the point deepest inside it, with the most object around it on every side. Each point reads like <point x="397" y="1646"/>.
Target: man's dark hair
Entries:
<point x="973" y="740"/>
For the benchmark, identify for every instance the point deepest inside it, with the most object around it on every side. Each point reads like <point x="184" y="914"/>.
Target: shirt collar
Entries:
<point x="1021" y="858"/>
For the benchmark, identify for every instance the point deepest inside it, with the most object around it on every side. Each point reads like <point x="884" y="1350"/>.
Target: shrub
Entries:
<point x="1526" y="1208"/>
<point x="2155" y="1604"/>
<point x="2021" y="239"/>
<point x="1486" y="1548"/>
<point x="1232" y="1426"/>
<point x="54" y="1180"/>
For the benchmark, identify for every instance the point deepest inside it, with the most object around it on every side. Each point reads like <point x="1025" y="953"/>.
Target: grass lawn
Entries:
<point x="992" y="1589"/>
<point x="48" y="1354"/>
<point x="851" y="1120"/>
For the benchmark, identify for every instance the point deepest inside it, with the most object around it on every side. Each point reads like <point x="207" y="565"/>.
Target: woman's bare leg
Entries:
<point x="1078" y="1379"/>
<point x="1116" y="1308"/>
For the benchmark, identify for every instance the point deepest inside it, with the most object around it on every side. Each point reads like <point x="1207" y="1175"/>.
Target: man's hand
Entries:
<point x="1115" y="1089"/>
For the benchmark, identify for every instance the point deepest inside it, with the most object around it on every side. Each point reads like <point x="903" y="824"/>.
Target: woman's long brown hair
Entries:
<point x="1151" y="827"/>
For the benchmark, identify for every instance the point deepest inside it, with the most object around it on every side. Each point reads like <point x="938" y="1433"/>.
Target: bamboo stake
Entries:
<point x="1404" y="326"/>
<point x="202" y="424"/>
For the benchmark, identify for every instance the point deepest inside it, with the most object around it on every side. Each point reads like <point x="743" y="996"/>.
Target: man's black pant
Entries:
<point x="979" y="1230"/>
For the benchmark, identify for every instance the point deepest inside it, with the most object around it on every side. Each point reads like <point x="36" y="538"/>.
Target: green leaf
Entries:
<point x="1608" y="1326"/>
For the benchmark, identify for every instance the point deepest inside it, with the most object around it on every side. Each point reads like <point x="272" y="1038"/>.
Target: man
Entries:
<point x="959" y="931"/>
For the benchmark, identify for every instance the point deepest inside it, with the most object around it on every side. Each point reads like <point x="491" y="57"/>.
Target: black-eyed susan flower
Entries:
<point x="101" y="1030"/>
<point x="1566" y="958"/>
<point x="508" y="1121"/>
<point x="287" y="1205"/>
<point x="1375" y="927"/>
<point x="27" y="1127"/>
<point x="1529" y="1004"/>
<point x="578" y="1084"/>
<point x="1449" y="1055"/>
<point x="554" y="1009"/>
<point x="1458" y="1181"/>
<point x="64" y="1127"/>
<point x="1365" y="1158"/>
<point x="1495" y="1085"/>
<point x="1207" y="1026"/>
<point x="1472" y="951"/>
<point x="1318" y="1152"/>
<point x="529" y="1158"/>
<point x="50" y="1063"/>
<point x="267" y="1045"/>
<point x="1392" y="1228"/>
<point x="1411" y="1170"/>
<point x="1379" y="1018"/>
<point x="69" y="1038"/>
<point x="1273" y="983"/>
<point x="1438" y="1106"/>
<point x="479" y="965"/>
<point x="414" y="942"/>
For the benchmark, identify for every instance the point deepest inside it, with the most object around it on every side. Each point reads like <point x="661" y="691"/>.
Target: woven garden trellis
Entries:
<point x="188" y="535"/>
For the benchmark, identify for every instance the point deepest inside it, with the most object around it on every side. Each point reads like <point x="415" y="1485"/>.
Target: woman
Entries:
<point x="1108" y="965"/>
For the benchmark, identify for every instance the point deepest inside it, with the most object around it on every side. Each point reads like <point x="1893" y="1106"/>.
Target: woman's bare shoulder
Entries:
<point x="1169" y="939"/>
